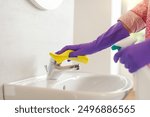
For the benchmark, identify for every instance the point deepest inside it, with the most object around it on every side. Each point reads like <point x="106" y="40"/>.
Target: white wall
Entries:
<point x="1" y="93"/>
<point x="27" y="35"/>
<point x="92" y="18"/>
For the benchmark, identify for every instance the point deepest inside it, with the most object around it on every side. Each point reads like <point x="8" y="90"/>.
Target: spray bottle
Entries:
<point x="141" y="77"/>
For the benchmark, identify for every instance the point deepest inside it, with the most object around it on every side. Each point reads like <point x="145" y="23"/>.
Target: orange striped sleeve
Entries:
<point x="135" y="19"/>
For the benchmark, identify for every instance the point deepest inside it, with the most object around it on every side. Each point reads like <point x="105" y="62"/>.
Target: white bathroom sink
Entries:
<point x="70" y="85"/>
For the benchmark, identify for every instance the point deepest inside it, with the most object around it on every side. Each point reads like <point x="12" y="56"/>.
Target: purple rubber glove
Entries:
<point x="114" y="34"/>
<point x="134" y="57"/>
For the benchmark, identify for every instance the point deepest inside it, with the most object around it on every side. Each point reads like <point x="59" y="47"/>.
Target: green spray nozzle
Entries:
<point x="116" y="47"/>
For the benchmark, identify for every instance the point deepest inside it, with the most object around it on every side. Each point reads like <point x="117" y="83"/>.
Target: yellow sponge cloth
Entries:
<point x="59" y="58"/>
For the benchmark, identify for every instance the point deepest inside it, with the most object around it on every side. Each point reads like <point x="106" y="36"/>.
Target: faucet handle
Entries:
<point x="77" y="66"/>
<point x="67" y="67"/>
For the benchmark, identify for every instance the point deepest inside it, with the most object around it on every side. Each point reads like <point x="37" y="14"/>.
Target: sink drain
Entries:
<point x="64" y="87"/>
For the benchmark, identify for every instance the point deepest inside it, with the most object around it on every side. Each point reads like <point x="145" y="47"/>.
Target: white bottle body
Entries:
<point x="142" y="83"/>
<point x="141" y="77"/>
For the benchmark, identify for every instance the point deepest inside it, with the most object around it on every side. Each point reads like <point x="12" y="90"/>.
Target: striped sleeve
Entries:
<point x="135" y="19"/>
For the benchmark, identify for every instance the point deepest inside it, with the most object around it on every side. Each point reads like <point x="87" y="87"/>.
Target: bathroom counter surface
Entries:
<point x="131" y="96"/>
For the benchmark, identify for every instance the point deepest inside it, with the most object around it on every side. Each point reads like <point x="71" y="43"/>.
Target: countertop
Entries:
<point x="130" y="96"/>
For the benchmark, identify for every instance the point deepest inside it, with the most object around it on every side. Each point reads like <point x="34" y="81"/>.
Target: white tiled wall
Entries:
<point x="27" y="35"/>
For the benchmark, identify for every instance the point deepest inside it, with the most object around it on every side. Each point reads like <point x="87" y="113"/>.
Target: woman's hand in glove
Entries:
<point x="134" y="57"/>
<point x="111" y="36"/>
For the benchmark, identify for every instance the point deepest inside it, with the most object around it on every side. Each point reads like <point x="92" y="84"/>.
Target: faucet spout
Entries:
<point x="54" y="70"/>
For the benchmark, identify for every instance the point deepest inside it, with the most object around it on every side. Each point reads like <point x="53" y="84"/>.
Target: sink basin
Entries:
<point x="70" y="85"/>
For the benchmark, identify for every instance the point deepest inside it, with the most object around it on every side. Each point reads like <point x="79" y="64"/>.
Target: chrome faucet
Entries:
<point x="54" y="70"/>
